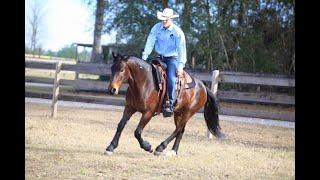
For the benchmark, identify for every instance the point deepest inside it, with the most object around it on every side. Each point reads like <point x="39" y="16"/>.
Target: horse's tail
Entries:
<point x="211" y="110"/>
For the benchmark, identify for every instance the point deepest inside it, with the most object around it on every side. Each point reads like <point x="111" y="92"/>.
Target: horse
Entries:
<point x="142" y="96"/>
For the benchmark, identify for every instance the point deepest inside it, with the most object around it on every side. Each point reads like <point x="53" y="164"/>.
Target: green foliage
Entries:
<point x="239" y="35"/>
<point x="51" y="53"/>
<point x="69" y="51"/>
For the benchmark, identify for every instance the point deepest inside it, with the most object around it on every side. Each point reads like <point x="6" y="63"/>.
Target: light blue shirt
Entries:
<point x="167" y="42"/>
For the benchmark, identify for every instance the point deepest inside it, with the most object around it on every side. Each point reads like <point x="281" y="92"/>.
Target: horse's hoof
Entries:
<point x="157" y="153"/>
<point x="222" y="137"/>
<point x="108" y="153"/>
<point x="146" y="146"/>
<point x="151" y="150"/>
<point x="171" y="153"/>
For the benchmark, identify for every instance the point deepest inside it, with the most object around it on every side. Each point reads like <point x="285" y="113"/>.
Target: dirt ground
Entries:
<point x="71" y="146"/>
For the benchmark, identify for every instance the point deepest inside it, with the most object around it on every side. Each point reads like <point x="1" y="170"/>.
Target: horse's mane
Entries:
<point x="131" y="58"/>
<point x="139" y="61"/>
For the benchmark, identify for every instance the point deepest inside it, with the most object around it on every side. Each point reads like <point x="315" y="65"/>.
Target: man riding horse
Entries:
<point x="169" y="42"/>
<point x="143" y="95"/>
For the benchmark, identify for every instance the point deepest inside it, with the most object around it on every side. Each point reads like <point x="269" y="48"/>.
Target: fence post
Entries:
<point x="55" y="93"/>
<point x="214" y="89"/>
<point x="77" y="61"/>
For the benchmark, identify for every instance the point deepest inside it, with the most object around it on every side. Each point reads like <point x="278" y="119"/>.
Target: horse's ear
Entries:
<point x="125" y="58"/>
<point x="114" y="55"/>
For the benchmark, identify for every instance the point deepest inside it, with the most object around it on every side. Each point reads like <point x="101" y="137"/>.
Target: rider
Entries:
<point x="170" y="44"/>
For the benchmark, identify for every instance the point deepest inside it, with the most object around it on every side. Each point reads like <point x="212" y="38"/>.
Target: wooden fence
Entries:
<point x="215" y="78"/>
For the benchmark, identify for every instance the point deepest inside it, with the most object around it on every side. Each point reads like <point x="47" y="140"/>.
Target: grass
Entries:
<point x="43" y="57"/>
<point x="50" y="73"/>
<point x="69" y="75"/>
<point x="71" y="147"/>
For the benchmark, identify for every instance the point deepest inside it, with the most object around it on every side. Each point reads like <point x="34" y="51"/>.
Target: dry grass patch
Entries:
<point x="72" y="146"/>
<point x="69" y="75"/>
<point x="48" y="73"/>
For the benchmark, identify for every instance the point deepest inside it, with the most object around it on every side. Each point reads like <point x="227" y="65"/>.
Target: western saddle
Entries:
<point x="160" y="77"/>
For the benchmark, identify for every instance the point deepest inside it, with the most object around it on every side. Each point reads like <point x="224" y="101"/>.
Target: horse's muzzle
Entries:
<point x="113" y="91"/>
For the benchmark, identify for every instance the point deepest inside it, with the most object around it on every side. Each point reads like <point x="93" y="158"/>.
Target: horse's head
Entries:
<point x="120" y="73"/>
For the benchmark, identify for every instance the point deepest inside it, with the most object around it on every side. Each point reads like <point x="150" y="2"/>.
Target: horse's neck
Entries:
<point x="141" y="78"/>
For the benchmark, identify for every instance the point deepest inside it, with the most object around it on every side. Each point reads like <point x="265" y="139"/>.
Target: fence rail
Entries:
<point x="214" y="79"/>
<point x="257" y="80"/>
<point x="259" y="97"/>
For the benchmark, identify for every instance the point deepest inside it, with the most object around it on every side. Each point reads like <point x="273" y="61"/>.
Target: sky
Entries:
<point x="63" y="22"/>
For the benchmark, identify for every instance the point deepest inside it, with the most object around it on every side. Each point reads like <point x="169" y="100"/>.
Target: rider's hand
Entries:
<point x="179" y="72"/>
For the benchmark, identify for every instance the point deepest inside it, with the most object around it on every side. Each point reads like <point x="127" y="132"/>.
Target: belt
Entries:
<point x="166" y="57"/>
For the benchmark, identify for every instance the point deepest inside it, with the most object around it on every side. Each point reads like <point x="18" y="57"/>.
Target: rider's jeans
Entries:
<point x="172" y="65"/>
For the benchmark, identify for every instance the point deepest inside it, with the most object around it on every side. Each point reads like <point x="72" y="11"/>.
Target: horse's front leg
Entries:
<point x="146" y="117"/>
<point x="127" y="113"/>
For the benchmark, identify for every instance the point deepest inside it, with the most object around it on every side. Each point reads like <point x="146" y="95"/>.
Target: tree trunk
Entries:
<point x="186" y="17"/>
<point x="97" y="55"/>
<point x="209" y="66"/>
<point x="34" y="22"/>
<point x="210" y="39"/>
<point x="165" y="4"/>
<point x="193" y="62"/>
<point x="292" y="68"/>
<point x="225" y="50"/>
<point x="39" y="52"/>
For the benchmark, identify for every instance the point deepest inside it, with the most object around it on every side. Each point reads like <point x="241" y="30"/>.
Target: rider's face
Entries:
<point x="166" y="23"/>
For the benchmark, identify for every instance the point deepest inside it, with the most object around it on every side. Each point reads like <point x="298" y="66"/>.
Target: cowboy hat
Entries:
<point x="166" y="14"/>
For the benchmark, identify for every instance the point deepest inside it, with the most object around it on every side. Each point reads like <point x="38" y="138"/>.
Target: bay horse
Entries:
<point x="142" y="96"/>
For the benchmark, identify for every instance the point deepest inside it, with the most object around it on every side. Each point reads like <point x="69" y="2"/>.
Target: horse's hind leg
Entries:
<point x="146" y="117"/>
<point x="184" y="119"/>
<point x="165" y="143"/>
<point x="175" y="146"/>
<point x="180" y="122"/>
<point x="127" y="113"/>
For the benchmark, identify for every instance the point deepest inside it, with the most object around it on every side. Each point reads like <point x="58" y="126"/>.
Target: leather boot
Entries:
<point x="167" y="110"/>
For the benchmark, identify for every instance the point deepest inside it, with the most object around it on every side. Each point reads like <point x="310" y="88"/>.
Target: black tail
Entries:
<point x="211" y="110"/>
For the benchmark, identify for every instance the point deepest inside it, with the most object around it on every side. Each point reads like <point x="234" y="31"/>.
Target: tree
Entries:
<point x="67" y="51"/>
<point x="50" y="53"/>
<point x="97" y="54"/>
<point x="34" y="20"/>
<point x="235" y="35"/>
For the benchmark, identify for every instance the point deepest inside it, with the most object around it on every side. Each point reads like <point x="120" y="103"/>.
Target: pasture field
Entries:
<point x="71" y="146"/>
<point x="43" y="57"/>
<point x="69" y="75"/>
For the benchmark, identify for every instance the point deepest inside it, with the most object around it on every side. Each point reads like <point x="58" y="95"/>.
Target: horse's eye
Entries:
<point x="122" y="70"/>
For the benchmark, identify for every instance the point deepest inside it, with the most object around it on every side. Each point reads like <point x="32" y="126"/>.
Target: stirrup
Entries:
<point x="166" y="104"/>
<point x="167" y="113"/>
<point x="167" y="110"/>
